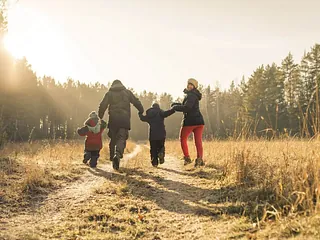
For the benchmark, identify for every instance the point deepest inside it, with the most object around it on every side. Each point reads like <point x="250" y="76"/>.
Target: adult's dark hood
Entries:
<point x="195" y="92"/>
<point x="117" y="86"/>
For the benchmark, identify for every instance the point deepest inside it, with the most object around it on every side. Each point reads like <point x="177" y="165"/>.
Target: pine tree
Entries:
<point x="274" y="98"/>
<point x="207" y="111"/>
<point x="253" y="100"/>
<point x="290" y="74"/>
<point x="314" y="75"/>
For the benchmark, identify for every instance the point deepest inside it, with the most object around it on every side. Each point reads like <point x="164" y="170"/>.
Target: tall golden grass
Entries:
<point x="283" y="174"/>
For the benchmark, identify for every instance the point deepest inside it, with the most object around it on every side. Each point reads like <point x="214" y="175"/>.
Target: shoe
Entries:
<point x="155" y="162"/>
<point x="161" y="157"/>
<point x="93" y="162"/>
<point x="116" y="162"/>
<point x="187" y="160"/>
<point x="199" y="162"/>
<point x="85" y="161"/>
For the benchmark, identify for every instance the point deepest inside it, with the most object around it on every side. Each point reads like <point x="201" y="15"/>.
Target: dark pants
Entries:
<point x="118" y="141"/>
<point x="93" y="156"/>
<point x="156" y="147"/>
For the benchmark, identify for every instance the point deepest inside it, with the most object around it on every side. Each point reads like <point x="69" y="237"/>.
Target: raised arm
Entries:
<point x="83" y="131"/>
<point x="167" y="113"/>
<point x="143" y="118"/>
<point x="136" y="102"/>
<point x="103" y="105"/>
<point x="191" y="99"/>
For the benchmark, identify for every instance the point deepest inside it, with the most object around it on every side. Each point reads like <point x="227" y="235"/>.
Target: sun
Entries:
<point x="15" y="49"/>
<point x="32" y="34"/>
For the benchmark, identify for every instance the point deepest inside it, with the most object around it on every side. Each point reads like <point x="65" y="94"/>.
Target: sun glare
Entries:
<point x="13" y="47"/>
<point x="33" y="35"/>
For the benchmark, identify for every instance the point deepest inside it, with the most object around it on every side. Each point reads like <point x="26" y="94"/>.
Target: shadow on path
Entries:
<point x="208" y="174"/>
<point x="173" y="196"/>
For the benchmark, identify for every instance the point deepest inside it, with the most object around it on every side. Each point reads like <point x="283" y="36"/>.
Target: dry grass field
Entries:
<point x="247" y="190"/>
<point x="31" y="171"/>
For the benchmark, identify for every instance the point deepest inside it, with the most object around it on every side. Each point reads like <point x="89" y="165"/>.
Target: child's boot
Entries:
<point x="93" y="162"/>
<point x="161" y="156"/>
<point x="154" y="162"/>
<point x="86" y="157"/>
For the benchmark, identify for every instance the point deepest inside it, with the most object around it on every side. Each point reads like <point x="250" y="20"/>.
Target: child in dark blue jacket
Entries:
<point x="157" y="132"/>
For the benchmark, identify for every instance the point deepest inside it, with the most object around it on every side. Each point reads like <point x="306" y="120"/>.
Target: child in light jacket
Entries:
<point x="92" y="129"/>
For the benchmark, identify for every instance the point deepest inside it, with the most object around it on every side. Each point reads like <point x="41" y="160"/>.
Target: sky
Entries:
<point x="156" y="45"/>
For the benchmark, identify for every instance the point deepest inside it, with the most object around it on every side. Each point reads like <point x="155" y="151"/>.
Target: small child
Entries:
<point x="92" y="129"/>
<point x="157" y="132"/>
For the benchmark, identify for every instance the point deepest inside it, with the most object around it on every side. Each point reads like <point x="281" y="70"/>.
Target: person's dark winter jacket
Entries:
<point x="155" y="117"/>
<point x="93" y="132"/>
<point x="190" y="108"/>
<point x="118" y="100"/>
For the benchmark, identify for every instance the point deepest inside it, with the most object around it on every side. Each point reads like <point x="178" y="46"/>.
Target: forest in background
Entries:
<point x="275" y="101"/>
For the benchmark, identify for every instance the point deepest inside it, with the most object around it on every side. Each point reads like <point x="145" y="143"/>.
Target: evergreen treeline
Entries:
<point x="276" y="100"/>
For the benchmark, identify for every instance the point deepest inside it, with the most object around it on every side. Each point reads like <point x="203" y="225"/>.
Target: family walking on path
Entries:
<point x="118" y="101"/>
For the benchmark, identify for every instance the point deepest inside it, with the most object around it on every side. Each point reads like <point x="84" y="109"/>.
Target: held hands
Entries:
<point x="140" y="114"/>
<point x="175" y="104"/>
<point x="102" y="123"/>
<point x="174" y="108"/>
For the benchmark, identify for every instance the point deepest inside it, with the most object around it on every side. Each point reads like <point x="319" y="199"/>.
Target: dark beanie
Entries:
<point x="156" y="105"/>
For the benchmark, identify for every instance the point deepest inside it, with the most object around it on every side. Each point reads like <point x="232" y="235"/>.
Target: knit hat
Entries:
<point x="93" y="114"/>
<point x="194" y="82"/>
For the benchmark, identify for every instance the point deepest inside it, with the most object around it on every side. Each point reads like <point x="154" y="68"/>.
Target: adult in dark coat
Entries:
<point x="192" y="121"/>
<point x="117" y="100"/>
<point x="157" y="132"/>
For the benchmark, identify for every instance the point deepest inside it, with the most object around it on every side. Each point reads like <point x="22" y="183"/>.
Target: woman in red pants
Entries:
<point x="192" y="121"/>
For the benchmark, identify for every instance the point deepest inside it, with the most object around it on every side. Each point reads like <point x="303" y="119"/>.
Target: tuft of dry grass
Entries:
<point x="130" y="146"/>
<point x="141" y="160"/>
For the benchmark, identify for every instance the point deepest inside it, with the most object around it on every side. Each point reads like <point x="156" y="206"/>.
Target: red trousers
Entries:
<point x="197" y="132"/>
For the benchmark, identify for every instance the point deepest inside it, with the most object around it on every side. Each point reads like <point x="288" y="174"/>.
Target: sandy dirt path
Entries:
<point x="190" y="202"/>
